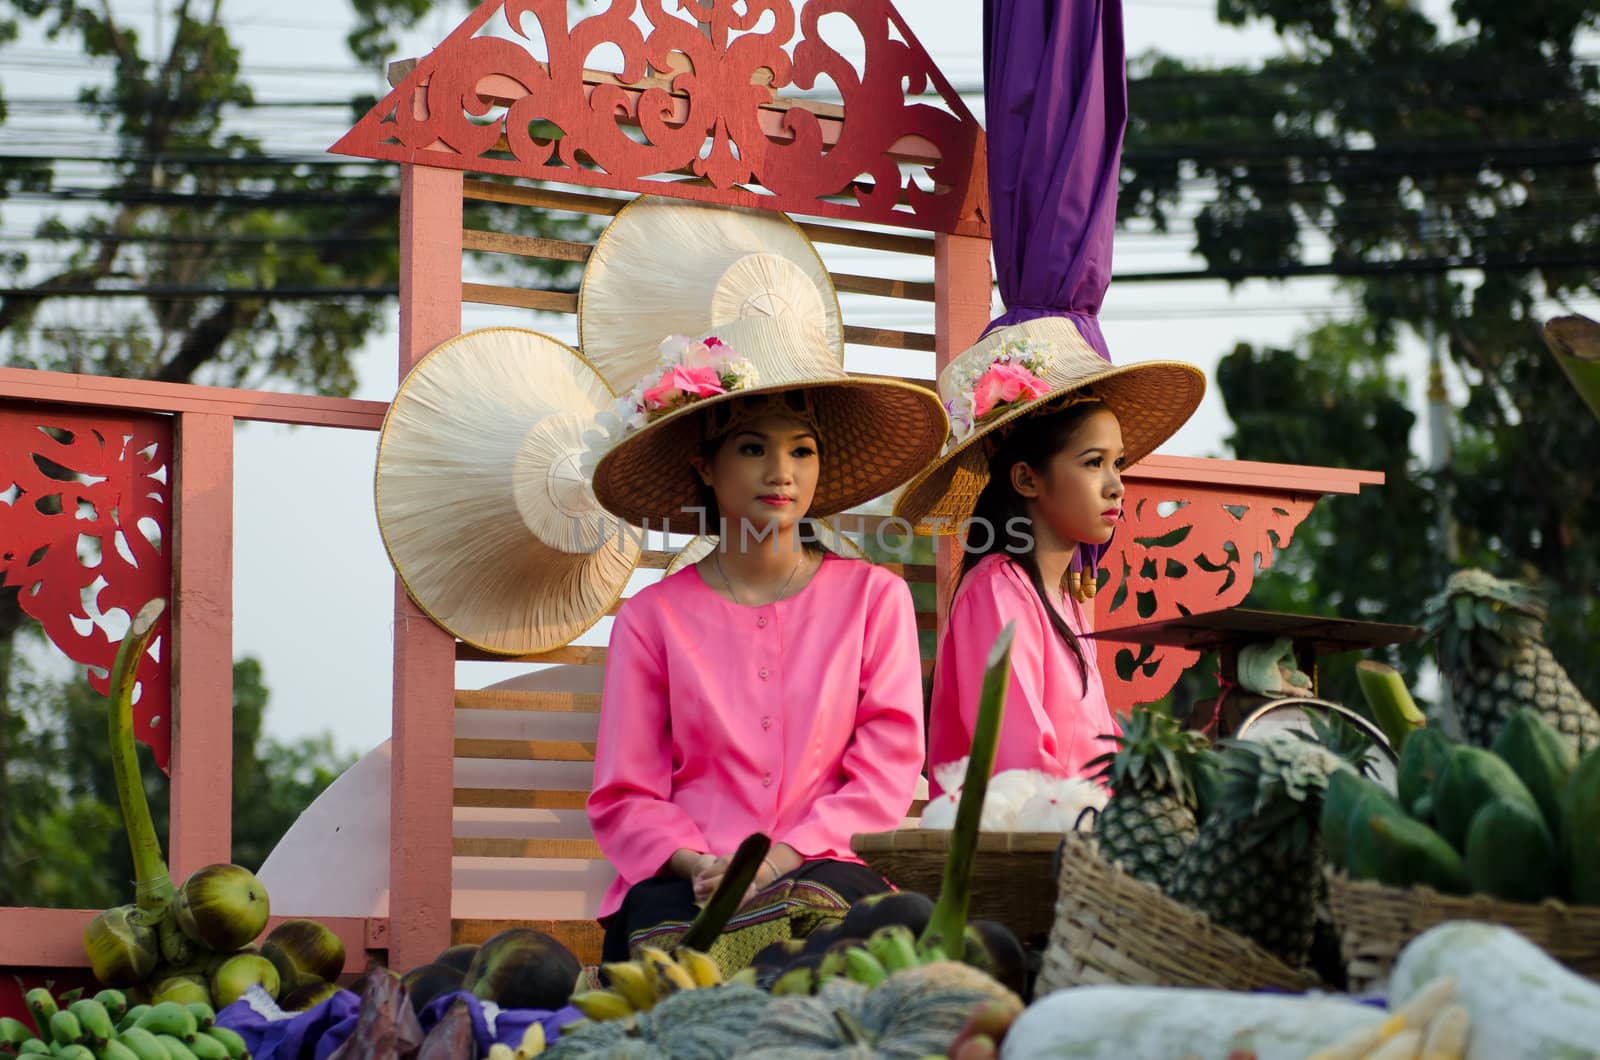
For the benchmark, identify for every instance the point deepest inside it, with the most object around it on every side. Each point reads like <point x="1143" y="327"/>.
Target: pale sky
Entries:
<point x="313" y="589"/>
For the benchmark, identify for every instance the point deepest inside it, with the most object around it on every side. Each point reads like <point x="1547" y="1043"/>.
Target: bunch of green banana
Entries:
<point x="533" y="1043"/>
<point x="888" y="950"/>
<point x="638" y="984"/>
<point x="105" y="1028"/>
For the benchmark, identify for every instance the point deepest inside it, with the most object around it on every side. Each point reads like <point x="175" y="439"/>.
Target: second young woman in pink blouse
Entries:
<point x="1042" y="428"/>
<point x="770" y="687"/>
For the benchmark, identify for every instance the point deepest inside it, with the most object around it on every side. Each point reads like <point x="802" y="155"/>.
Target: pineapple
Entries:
<point x="1150" y="819"/>
<point x="1255" y="867"/>
<point x="1491" y="651"/>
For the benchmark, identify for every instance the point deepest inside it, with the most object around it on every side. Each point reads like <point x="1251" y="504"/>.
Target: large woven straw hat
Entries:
<point x="873" y="434"/>
<point x="1151" y="399"/>
<point x="669" y="267"/>
<point x="484" y="511"/>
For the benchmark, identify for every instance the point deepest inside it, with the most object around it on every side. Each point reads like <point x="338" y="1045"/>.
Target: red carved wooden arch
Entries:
<point x="1183" y="548"/>
<point x="698" y="98"/>
<point x="85" y="538"/>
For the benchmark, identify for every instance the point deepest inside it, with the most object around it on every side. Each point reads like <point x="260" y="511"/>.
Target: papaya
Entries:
<point x="1422" y="760"/>
<point x="1388" y="846"/>
<point x="1471" y="779"/>
<point x="1540" y="757"/>
<point x="1510" y="853"/>
<point x="1580" y="829"/>
<point x="1346" y="788"/>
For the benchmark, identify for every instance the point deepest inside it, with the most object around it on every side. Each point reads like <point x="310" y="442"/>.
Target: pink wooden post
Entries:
<point x="423" y="749"/>
<point x="961" y="283"/>
<point x="202" y="652"/>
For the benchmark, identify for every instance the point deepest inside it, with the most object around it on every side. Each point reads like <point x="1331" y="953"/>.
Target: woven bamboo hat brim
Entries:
<point x="484" y="512"/>
<point x="669" y="267"/>
<point x="873" y="433"/>
<point x="1151" y="399"/>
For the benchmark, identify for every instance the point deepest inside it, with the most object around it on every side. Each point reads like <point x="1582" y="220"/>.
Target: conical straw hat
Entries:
<point x="484" y="511"/>
<point x="873" y="434"/>
<point x="669" y="267"/>
<point x="1151" y="399"/>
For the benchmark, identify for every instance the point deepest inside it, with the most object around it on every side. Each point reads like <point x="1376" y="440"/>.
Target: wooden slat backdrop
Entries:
<point x="552" y="705"/>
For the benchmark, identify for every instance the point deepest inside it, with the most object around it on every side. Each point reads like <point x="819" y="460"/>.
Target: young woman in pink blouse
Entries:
<point x="1042" y="428"/>
<point x="770" y="687"/>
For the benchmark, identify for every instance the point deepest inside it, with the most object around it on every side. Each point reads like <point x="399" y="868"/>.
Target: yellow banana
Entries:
<point x="500" y="1051"/>
<point x="602" y="1005"/>
<point x="533" y="1042"/>
<point x="630" y="979"/>
<point x="701" y="968"/>
<point x="670" y="976"/>
<point x="796" y="981"/>
<point x="743" y="977"/>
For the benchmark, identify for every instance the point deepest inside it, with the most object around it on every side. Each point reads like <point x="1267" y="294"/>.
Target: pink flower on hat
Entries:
<point x="1004" y="384"/>
<point x="679" y="384"/>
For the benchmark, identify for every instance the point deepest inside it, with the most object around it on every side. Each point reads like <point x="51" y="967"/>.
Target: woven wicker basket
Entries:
<point x="1013" y="879"/>
<point x="1113" y="928"/>
<point x="1375" y="922"/>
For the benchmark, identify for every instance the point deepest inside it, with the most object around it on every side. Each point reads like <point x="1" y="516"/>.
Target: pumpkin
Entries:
<point x="911" y="1014"/>
<point x="708" y="1024"/>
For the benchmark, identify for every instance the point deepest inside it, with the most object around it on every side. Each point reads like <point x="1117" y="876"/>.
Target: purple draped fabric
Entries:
<point x="1056" y="107"/>
<point x="1055" y="89"/>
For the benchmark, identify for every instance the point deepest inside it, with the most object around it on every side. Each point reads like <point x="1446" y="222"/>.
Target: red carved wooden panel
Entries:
<point x="85" y="536"/>
<point x="1201" y="555"/>
<point x="696" y="98"/>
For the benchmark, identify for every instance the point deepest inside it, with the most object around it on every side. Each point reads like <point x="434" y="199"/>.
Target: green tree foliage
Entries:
<point x="202" y="256"/>
<point x="1446" y="172"/>
<point x="64" y="844"/>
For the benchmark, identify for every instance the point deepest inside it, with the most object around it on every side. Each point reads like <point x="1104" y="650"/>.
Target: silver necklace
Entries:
<point x="716" y="557"/>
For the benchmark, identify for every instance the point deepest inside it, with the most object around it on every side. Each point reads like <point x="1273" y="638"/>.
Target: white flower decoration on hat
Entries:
<point x="689" y="370"/>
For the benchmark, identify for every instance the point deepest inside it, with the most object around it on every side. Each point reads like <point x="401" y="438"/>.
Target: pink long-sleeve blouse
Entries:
<point x="1050" y="723"/>
<point x="801" y="719"/>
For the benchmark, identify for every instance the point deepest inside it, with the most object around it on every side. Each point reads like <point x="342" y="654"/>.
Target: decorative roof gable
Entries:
<point x="697" y="111"/>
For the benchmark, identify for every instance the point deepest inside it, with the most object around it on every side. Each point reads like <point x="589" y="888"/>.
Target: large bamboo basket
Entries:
<point x="1376" y="921"/>
<point x="1013" y="879"/>
<point x="1112" y="928"/>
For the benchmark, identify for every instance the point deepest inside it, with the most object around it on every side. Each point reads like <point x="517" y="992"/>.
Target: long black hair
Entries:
<point x="1032" y="440"/>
